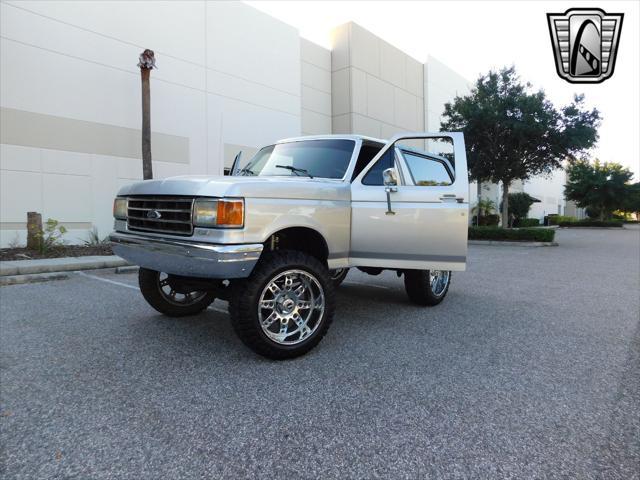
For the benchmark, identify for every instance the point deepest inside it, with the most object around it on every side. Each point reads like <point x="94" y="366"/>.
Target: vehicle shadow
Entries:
<point x="209" y="335"/>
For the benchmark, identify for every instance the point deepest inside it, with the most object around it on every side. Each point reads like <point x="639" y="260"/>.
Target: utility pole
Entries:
<point x="146" y="62"/>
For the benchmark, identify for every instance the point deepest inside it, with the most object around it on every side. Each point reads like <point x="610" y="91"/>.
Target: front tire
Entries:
<point x="427" y="287"/>
<point x="167" y="296"/>
<point x="285" y="307"/>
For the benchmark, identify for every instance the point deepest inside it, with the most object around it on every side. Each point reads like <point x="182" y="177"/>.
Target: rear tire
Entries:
<point x="427" y="287"/>
<point x="338" y="275"/>
<point x="284" y="308"/>
<point x="168" y="298"/>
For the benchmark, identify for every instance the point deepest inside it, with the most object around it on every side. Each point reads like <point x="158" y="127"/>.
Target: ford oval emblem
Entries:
<point x="154" y="214"/>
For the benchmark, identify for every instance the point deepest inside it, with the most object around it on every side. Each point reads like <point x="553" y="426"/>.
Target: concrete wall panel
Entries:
<point x="380" y="99"/>
<point x="364" y="50"/>
<point x="316" y="77"/>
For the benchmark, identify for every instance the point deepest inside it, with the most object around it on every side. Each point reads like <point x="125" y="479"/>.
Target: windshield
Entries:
<point x="308" y="158"/>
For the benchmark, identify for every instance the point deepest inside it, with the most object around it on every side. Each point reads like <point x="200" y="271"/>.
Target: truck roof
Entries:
<point x="335" y="136"/>
<point x="344" y="136"/>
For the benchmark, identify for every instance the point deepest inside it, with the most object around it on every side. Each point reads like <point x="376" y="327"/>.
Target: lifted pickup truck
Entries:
<point x="277" y="236"/>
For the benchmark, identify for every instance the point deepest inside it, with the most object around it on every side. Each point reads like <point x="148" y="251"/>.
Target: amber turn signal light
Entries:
<point x="230" y="213"/>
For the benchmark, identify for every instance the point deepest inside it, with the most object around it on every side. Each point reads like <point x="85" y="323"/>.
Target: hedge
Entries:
<point x="558" y="219"/>
<point x="512" y="234"/>
<point x="526" y="222"/>
<point x="593" y="223"/>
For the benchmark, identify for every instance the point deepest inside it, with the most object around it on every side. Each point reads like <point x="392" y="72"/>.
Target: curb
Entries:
<point x="54" y="265"/>
<point x="512" y="244"/>
<point x="127" y="269"/>
<point x="31" y="278"/>
<point x="594" y="228"/>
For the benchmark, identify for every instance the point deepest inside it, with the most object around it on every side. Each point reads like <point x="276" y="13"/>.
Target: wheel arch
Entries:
<point x="301" y="238"/>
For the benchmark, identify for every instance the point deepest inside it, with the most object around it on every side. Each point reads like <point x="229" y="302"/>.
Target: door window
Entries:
<point x="374" y="175"/>
<point x="427" y="171"/>
<point x="367" y="152"/>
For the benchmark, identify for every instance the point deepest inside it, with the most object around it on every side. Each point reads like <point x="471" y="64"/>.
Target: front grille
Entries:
<point x="160" y="214"/>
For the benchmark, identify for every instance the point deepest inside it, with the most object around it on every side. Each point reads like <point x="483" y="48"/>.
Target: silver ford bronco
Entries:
<point x="276" y="236"/>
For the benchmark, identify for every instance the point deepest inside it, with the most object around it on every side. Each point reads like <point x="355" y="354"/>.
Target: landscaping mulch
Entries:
<point x="56" y="252"/>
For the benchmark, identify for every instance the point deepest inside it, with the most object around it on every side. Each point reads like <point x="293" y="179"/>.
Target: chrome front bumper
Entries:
<point x="185" y="258"/>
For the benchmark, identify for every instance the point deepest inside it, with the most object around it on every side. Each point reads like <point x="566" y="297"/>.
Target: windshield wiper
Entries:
<point x="245" y="171"/>
<point x="296" y="170"/>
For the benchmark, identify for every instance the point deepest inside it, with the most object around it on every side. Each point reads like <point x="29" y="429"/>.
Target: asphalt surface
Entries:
<point x="529" y="369"/>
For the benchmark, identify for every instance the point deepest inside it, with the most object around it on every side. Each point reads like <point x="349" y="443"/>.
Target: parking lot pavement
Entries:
<point x="529" y="369"/>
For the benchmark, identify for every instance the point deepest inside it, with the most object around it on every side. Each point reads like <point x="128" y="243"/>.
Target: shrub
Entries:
<point x="51" y="236"/>
<point x="526" y="222"/>
<point x="558" y="219"/>
<point x="519" y="204"/>
<point x="484" y="206"/>
<point x="489" y="220"/>
<point x="512" y="234"/>
<point x="15" y="241"/>
<point x="93" y="238"/>
<point x="593" y="223"/>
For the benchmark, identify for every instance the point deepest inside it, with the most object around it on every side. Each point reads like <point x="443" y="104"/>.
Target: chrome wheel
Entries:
<point x="174" y="294"/>
<point x="439" y="280"/>
<point x="291" y="307"/>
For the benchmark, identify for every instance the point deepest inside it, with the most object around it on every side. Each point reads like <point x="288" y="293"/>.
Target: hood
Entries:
<point x="246" y="187"/>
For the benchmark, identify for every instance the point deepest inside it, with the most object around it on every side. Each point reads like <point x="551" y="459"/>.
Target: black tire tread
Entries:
<point x="244" y="298"/>
<point x="418" y="288"/>
<point x="338" y="281"/>
<point x="147" y="280"/>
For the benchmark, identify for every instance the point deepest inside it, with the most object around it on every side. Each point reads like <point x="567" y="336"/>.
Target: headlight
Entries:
<point x="225" y="213"/>
<point x="205" y="213"/>
<point x="120" y="208"/>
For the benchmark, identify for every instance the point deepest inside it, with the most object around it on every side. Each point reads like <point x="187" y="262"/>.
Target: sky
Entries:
<point x="472" y="37"/>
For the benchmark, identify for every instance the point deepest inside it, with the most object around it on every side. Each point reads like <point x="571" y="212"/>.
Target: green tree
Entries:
<point x="519" y="204"/>
<point x="600" y="187"/>
<point x="631" y="203"/>
<point x="512" y="133"/>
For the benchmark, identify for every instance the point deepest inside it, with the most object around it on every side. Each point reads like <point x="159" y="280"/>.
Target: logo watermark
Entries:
<point x="585" y="43"/>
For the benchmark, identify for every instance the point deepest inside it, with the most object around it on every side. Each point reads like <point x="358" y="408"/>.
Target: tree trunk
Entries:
<point x="479" y="214"/>
<point x="505" y="205"/>
<point x="34" y="230"/>
<point x="147" y="171"/>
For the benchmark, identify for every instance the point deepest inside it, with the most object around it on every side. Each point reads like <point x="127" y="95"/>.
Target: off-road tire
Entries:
<point x="245" y="295"/>
<point x="418" y="287"/>
<point x="337" y="279"/>
<point x="150" y="289"/>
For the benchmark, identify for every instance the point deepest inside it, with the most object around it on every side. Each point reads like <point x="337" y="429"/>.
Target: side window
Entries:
<point x="374" y="176"/>
<point x="367" y="152"/>
<point x="427" y="172"/>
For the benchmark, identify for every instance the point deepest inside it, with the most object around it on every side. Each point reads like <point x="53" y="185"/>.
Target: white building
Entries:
<point x="229" y="78"/>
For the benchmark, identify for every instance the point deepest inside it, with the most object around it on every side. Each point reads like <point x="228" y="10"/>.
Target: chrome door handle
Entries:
<point x="451" y="197"/>
<point x="389" y="190"/>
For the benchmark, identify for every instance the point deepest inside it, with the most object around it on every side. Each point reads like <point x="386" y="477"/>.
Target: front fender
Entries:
<point x="330" y="218"/>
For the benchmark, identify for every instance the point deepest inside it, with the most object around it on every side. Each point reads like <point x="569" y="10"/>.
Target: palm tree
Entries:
<point x="484" y="207"/>
<point x="146" y="62"/>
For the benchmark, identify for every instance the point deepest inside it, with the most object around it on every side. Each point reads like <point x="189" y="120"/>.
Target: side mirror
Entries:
<point x="390" y="177"/>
